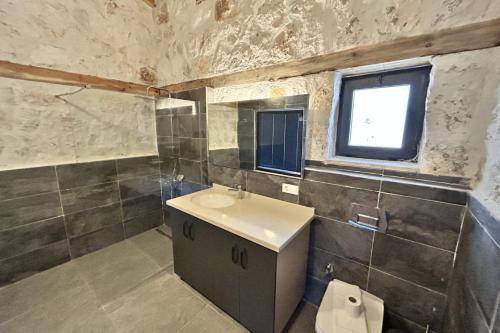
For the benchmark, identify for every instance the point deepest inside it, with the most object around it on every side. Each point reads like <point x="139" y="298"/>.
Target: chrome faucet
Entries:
<point x="237" y="187"/>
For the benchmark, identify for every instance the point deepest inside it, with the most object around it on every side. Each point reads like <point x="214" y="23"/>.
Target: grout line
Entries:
<point x="33" y="222"/>
<point x="494" y="318"/>
<point x="120" y="198"/>
<point x="29" y="196"/>
<point x="379" y="191"/>
<point x="340" y="185"/>
<point x="462" y="223"/>
<point x="63" y="214"/>
<point x="484" y="229"/>
<point x="370" y="263"/>
<point x="426" y="199"/>
<point x="29" y="252"/>
<point x="410" y="282"/>
<point x="91" y="185"/>
<point x="339" y="256"/>
<point x="386" y="234"/>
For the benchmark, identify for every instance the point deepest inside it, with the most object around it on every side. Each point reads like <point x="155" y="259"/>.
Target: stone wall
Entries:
<point x="108" y="38"/>
<point x="459" y="109"/>
<point x="206" y="37"/>
<point x="39" y="129"/>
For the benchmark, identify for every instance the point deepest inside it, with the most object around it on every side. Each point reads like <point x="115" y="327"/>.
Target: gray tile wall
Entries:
<point x="52" y="214"/>
<point x="409" y="266"/>
<point x="182" y="144"/>
<point x="474" y="289"/>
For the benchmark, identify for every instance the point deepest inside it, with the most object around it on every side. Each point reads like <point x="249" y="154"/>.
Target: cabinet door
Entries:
<point x="225" y="267"/>
<point x="257" y="287"/>
<point x="191" y="242"/>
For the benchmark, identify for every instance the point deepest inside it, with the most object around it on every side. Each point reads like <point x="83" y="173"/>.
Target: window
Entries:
<point x="381" y="115"/>
<point x="279" y="141"/>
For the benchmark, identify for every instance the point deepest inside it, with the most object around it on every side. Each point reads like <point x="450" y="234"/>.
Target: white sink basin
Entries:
<point x="213" y="200"/>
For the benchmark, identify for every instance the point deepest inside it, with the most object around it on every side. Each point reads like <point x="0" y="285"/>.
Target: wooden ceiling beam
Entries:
<point x="150" y="3"/>
<point x="463" y="38"/>
<point x="40" y="74"/>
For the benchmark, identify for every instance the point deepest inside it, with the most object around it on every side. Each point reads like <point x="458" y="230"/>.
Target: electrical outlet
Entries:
<point x="289" y="188"/>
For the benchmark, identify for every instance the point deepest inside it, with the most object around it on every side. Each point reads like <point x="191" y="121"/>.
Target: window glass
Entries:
<point x="379" y="116"/>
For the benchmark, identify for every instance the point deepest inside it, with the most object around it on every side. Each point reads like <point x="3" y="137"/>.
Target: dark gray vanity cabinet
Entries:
<point x="239" y="276"/>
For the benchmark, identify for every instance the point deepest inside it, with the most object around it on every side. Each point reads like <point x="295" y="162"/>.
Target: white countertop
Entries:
<point x="268" y="222"/>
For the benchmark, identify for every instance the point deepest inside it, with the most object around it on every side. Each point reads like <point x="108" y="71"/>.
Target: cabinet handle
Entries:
<point x="234" y="254"/>
<point x="244" y="259"/>
<point x="185" y="229"/>
<point x="191" y="232"/>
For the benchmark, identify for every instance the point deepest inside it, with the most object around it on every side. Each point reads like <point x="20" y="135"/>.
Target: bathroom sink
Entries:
<point x="213" y="200"/>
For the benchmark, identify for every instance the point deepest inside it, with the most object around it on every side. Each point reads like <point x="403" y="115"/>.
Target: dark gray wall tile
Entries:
<point x="342" y="179"/>
<point x="428" y="177"/>
<point x="315" y="289"/>
<point x="191" y="170"/>
<point x="186" y="187"/>
<point x="137" y="187"/>
<point x="30" y="237"/>
<point x="141" y="205"/>
<point x="17" y="212"/>
<point x="425" y="221"/>
<point x="334" y="201"/>
<point x="490" y="222"/>
<point x="463" y="314"/>
<point x="343" y="269"/>
<point x="408" y="300"/>
<point x="87" y="197"/>
<point x="93" y="219"/>
<point x="425" y="265"/>
<point x="24" y="265"/>
<point x="340" y="167"/>
<point x="479" y="257"/>
<point x="84" y="174"/>
<point x="199" y="95"/>
<point x="96" y="240"/>
<point x="228" y="158"/>
<point x="175" y="110"/>
<point x="396" y="322"/>
<point x="425" y="192"/>
<point x="23" y="182"/>
<point x="142" y="223"/>
<point x="342" y="239"/>
<point x="168" y="146"/>
<point x="163" y="125"/>
<point x="187" y="126"/>
<point x="226" y="176"/>
<point x="190" y="148"/>
<point x="496" y="325"/>
<point x="137" y="167"/>
<point x="167" y="166"/>
<point x="271" y="186"/>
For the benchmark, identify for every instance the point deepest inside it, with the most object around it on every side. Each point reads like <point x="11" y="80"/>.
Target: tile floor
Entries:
<point x="127" y="287"/>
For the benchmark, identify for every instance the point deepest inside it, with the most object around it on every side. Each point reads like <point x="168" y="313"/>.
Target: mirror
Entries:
<point x="237" y="140"/>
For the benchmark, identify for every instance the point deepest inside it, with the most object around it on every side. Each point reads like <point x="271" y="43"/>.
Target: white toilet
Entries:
<point x="346" y="308"/>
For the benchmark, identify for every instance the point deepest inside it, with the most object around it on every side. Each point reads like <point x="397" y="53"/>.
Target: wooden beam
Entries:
<point x="464" y="38"/>
<point x="40" y="74"/>
<point x="150" y="3"/>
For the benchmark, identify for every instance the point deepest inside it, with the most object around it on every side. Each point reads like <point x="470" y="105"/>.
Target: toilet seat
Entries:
<point x="334" y="316"/>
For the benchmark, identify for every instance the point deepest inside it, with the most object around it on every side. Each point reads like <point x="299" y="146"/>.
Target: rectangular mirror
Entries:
<point x="266" y="135"/>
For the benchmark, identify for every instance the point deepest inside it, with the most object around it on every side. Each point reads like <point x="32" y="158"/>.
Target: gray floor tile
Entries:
<point x="39" y="289"/>
<point x="156" y="246"/>
<point x="303" y="319"/>
<point x="76" y="311"/>
<point x="161" y="305"/>
<point x="209" y="320"/>
<point x="113" y="271"/>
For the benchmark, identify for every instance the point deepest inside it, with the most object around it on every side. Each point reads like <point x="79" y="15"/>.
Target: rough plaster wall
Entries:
<point x="462" y="94"/>
<point x="488" y="189"/>
<point x="222" y="125"/>
<point x="200" y="38"/>
<point x="107" y="38"/>
<point x="39" y="129"/>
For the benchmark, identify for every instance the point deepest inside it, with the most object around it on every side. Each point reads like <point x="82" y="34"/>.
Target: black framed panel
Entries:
<point x="279" y="141"/>
<point x="418" y="79"/>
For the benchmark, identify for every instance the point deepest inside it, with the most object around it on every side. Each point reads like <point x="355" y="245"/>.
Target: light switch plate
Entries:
<point x="289" y="188"/>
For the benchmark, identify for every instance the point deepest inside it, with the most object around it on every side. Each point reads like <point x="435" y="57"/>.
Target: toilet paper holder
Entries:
<point x="368" y="218"/>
